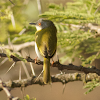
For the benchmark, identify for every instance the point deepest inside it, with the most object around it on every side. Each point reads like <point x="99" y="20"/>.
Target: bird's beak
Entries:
<point x="32" y="23"/>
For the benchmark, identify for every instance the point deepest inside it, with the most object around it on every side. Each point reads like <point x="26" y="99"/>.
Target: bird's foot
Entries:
<point x="36" y="60"/>
<point x="52" y="62"/>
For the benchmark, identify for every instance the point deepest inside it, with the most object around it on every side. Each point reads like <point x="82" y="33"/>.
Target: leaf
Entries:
<point x="9" y="53"/>
<point x="19" y="57"/>
<point x="28" y="98"/>
<point x="91" y="85"/>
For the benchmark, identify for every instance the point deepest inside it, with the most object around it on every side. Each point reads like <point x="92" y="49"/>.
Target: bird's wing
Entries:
<point x="47" y="42"/>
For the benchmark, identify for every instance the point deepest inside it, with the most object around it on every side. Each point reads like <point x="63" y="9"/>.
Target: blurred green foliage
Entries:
<point x="28" y="98"/>
<point x="74" y="41"/>
<point x="91" y="85"/>
<point x="15" y="17"/>
<point x="9" y="53"/>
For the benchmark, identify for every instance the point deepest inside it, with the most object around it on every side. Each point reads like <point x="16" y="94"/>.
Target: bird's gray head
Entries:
<point x="41" y="24"/>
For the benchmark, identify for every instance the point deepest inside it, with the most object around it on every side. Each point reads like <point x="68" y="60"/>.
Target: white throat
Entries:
<point x="38" y="28"/>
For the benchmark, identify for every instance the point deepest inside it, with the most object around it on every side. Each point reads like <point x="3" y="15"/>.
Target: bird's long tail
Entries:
<point x="46" y="69"/>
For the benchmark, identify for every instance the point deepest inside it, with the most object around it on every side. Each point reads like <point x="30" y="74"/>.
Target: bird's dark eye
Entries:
<point x="39" y="24"/>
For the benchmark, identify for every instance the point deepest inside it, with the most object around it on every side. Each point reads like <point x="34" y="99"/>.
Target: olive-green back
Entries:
<point x="46" y="41"/>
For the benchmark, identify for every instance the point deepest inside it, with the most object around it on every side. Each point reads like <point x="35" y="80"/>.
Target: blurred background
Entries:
<point x="15" y="29"/>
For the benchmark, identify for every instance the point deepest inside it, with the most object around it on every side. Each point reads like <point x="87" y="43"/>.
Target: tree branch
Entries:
<point x="4" y="87"/>
<point x="88" y="26"/>
<point x="18" y="47"/>
<point x="63" y="78"/>
<point x="58" y="65"/>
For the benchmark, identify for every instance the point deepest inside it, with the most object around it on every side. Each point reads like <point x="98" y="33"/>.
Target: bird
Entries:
<point x="45" y="45"/>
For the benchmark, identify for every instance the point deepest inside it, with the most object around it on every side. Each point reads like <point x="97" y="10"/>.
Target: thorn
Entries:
<point x="39" y="75"/>
<point x="32" y="69"/>
<point x="3" y="61"/>
<point x="25" y="69"/>
<point x="61" y="72"/>
<point x="11" y="67"/>
<point x="20" y="73"/>
<point x="57" y="56"/>
<point x="22" y="91"/>
<point x="84" y="79"/>
<point x="26" y="53"/>
<point x="64" y="85"/>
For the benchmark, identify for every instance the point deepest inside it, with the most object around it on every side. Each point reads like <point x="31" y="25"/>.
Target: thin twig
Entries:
<point x="97" y="10"/>
<point x="18" y="47"/>
<point x="12" y="2"/>
<point x="39" y="6"/>
<point x="13" y="20"/>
